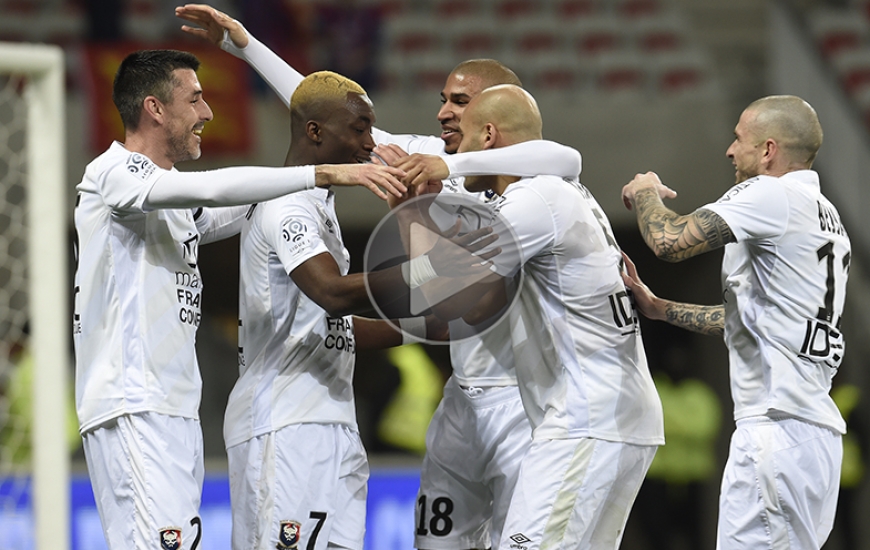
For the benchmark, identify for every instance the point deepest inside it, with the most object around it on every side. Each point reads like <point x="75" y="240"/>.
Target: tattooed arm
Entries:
<point x="673" y="237"/>
<point x="708" y="320"/>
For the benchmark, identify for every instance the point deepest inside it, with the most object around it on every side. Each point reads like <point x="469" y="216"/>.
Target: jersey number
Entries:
<point x="823" y="322"/>
<point x="198" y="522"/>
<point x="321" y="518"/>
<point x="440" y="523"/>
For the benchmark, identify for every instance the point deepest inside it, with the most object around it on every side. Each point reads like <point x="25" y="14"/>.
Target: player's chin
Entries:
<point x="451" y="145"/>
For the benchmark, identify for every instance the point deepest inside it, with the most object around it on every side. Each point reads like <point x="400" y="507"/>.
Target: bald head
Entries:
<point x="791" y="122"/>
<point x="509" y="110"/>
<point x="489" y="71"/>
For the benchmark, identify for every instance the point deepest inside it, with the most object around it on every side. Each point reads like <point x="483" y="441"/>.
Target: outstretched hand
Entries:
<point x="646" y="302"/>
<point x="422" y="169"/>
<point x="375" y="177"/>
<point x="650" y="180"/>
<point x="213" y="22"/>
<point x="393" y="155"/>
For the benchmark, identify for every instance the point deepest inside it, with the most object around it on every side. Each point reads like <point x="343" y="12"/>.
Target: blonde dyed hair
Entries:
<point x="792" y="123"/>
<point x="319" y="89"/>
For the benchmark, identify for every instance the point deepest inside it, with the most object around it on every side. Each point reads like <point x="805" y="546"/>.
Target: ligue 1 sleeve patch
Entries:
<point x="293" y="231"/>
<point x="140" y="166"/>
<point x="289" y="532"/>
<point x="170" y="538"/>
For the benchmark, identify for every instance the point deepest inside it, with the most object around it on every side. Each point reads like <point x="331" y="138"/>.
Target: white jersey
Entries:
<point x="580" y="364"/>
<point x="296" y="362"/>
<point x="784" y="283"/>
<point x="137" y="293"/>
<point x="473" y="364"/>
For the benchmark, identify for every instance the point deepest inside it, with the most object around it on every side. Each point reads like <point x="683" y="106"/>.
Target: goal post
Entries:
<point x="41" y="68"/>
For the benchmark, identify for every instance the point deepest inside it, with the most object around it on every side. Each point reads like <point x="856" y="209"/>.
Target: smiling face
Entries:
<point x="459" y="89"/>
<point x="746" y="151"/>
<point x="347" y="133"/>
<point x="185" y="117"/>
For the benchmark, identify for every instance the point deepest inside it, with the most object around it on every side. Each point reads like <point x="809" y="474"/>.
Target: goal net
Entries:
<point x="34" y="323"/>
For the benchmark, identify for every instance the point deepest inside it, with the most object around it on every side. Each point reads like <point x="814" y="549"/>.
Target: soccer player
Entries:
<point x="580" y="363"/>
<point x="298" y="470"/>
<point x="139" y="223"/>
<point x="479" y="432"/>
<point x="784" y="283"/>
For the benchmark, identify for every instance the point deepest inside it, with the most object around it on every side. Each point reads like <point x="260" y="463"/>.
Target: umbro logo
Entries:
<point x="519" y="540"/>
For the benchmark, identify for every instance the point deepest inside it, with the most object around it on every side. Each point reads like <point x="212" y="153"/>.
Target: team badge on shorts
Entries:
<point x="288" y="535"/>
<point x="170" y="538"/>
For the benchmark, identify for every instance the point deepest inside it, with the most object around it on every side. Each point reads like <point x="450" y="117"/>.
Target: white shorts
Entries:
<point x="302" y="486"/>
<point x="146" y="471"/>
<point x="575" y="494"/>
<point x="780" y="485"/>
<point x="475" y="444"/>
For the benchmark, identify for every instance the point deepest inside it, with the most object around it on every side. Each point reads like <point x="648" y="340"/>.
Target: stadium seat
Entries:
<point x="412" y="34"/>
<point x="474" y="37"/>
<point x="681" y="72"/>
<point x="636" y="9"/>
<point x="513" y="9"/>
<point x="567" y="10"/>
<point x="665" y="31"/>
<point x="452" y="10"/>
<point x="534" y="34"/>
<point x="548" y="71"/>
<point x="594" y="35"/>
<point x="429" y="71"/>
<point x="853" y="70"/>
<point x="835" y="30"/>
<point x="620" y="72"/>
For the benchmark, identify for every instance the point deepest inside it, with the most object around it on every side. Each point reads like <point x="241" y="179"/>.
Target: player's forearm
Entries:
<point x="530" y="158"/>
<point x="375" y="334"/>
<point x="215" y="224"/>
<point x="672" y="237"/>
<point x="709" y="320"/>
<point x="228" y="186"/>
<point x="279" y="75"/>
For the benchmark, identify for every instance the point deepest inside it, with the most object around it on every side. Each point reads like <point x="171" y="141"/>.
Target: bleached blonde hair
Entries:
<point x="320" y="88"/>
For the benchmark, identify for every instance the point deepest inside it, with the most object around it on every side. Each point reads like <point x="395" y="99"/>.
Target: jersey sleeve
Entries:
<point x="280" y="76"/>
<point x="529" y="230"/>
<point x="234" y="186"/>
<point x="293" y="230"/>
<point x="126" y="186"/>
<point x="530" y="158"/>
<point x="410" y="143"/>
<point x="215" y="224"/>
<point x="755" y="209"/>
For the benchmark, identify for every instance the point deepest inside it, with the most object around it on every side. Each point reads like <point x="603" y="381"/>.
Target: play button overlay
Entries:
<point x="458" y="256"/>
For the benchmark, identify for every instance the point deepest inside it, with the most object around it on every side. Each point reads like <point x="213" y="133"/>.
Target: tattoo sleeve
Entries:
<point x="673" y="237"/>
<point x="709" y="320"/>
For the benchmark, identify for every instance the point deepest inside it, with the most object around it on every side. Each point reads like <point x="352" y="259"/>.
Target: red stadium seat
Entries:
<point x="535" y="34"/>
<point x="412" y="34"/>
<point x="474" y="37"/>
<point x="666" y="32"/>
<point x="835" y="30"/>
<point x="592" y="36"/>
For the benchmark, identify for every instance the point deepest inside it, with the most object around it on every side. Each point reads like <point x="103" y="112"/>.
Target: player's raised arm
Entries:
<point x="236" y="40"/>
<point x="671" y="236"/>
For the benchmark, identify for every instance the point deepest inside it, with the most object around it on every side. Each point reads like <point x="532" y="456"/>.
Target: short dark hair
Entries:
<point x="144" y="73"/>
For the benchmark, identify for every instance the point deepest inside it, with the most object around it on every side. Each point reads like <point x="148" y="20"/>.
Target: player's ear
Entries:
<point x="490" y="136"/>
<point x="153" y="108"/>
<point x="313" y="131"/>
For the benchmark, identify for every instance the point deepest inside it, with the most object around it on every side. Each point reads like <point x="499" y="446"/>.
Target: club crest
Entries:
<point x="170" y="538"/>
<point x="288" y="535"/>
